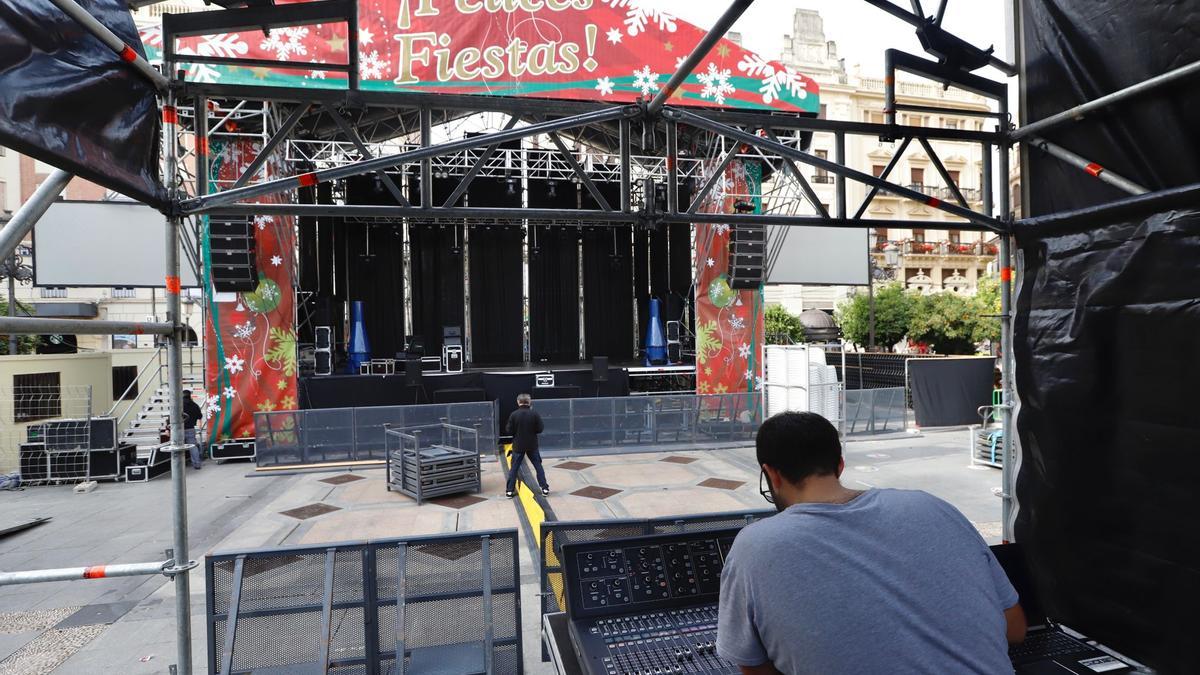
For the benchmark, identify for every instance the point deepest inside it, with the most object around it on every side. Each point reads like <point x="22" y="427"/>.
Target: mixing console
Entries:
<point x="647" y="605"/>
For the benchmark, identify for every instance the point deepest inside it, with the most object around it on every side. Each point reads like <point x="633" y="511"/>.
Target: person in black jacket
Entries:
<point x="191" y="415"/>
<point x="524" y="425"/>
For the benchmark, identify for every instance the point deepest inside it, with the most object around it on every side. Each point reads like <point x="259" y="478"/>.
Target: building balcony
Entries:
<point x="826" y="178"/>
<point x="972" y="195"/>
<point x="939" y="248"/>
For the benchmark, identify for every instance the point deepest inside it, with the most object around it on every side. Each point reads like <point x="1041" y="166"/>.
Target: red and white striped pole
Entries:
<point x="90" y="572"/>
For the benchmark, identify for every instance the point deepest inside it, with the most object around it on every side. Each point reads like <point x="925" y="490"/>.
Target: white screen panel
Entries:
<point x="820" y="255"/>
<point x="103" y="244"/>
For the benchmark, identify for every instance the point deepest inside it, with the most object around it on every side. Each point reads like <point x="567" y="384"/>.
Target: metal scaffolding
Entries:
<point x="332" y="135"/>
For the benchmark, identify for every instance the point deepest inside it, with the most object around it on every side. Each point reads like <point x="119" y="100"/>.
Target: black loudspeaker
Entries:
<point x="324" y="337"/>
<point x="324" y="362"/>
<point x="232" y="247"/>
<point x="600" y="369"/>
<point x="674" y="352"/>
<point x="412" y="372"/>
<point x="747" y="254"/>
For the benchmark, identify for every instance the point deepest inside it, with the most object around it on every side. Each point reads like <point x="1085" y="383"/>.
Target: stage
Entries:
<point x="501" y="384"/>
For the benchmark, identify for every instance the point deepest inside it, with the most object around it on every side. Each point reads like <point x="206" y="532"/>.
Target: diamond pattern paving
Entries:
<point x="722" y="484"/>
<point x="573" y="466"/>
<point x="676" y="459"/>
<point x="310" y="511"/>
<point x="595" y="492"/>
<point x="458" y="501"/>
<point x="342" y="479"/>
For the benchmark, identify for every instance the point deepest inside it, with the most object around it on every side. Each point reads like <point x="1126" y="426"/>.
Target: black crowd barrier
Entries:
<point x="446" y="603"/>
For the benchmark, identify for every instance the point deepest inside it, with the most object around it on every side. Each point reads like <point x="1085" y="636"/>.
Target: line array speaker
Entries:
<point x="324" y="352"/>
<point x="233" y="251"/>
<point x="747" y="252"/>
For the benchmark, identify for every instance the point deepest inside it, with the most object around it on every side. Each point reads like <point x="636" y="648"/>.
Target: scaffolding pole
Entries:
<point x="110" y="40"/>
<point x="1091" y="168"/>
<point x="31" y="211"/>
<point x="182" y="563"/>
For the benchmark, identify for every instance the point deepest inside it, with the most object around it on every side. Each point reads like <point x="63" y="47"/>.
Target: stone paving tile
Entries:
<point x="722" y="484"/>
<point x="595" y="492"/>
<point x="342" y="479"/>
<point x="50" y="649"/>
<point x="20" y="622"/>
<point x="676" y="459"/>
<point x="573" y="466"/>
<point x="103" y="613"/>
<point x="310" y="511"/>
<point x="457" y="501"/>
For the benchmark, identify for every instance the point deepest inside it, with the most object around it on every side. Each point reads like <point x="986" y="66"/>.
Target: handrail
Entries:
<point x="137" y="378"/>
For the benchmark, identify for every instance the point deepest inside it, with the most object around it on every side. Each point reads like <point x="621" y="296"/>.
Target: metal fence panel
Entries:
<point x="442" y="600"/>
<point x="636" y="422"/>
<point x="875" y="411"/>
<point x="357" y="434"/>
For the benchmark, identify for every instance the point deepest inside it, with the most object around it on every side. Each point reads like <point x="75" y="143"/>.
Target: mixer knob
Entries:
<point x="679" y="669"/>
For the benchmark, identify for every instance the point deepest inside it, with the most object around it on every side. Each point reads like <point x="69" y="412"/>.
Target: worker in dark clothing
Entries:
<point x="524" y="425"/>
<point x="191" y="415"/>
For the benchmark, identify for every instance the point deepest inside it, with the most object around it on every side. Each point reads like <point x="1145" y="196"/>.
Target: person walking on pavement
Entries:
<point x="524" y="425"/>
<point x="191" y="415"/>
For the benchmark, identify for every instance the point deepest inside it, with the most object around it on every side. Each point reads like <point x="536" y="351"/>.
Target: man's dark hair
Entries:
<point x="187" y="393"/>
<point x="799" y="445"/>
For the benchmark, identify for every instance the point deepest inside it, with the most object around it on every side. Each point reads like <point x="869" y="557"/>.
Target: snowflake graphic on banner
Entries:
<point x="614" y="35"/>
<point x="716" y="84"/>
<point x="604" y="85"/>
<point x="276" y="261"/>
<point x="225" y="45"/>
<point x="639" y="16"/>
<point x="737" y="322"/>
<point x="286" y="42"/>
<point x="244" y="330"/>
<point x="234" y="364"/>
<point x="773" y="80"/>
<point x="230" y="392"/>
<point x="744" y="350"/>
<point x="370" y="66"/>
<point x="646" y="80"/>
<point x="261" y="222"/>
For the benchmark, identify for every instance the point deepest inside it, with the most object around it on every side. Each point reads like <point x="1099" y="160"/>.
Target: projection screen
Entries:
<point x="103" y="244"/>
<point x="819" y="255"/>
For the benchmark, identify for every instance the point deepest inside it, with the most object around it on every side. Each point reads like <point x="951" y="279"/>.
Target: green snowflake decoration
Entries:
<point x="707" y="342"/>
<point x="283" y="350"/>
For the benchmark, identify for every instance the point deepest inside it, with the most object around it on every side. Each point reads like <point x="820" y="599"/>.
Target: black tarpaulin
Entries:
<point x="1107" y="333"/>
<point x="68" y="100"/>
<point x="949" y="392"/>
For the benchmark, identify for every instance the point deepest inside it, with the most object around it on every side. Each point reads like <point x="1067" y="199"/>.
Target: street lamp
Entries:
<point x="891" y="261"/>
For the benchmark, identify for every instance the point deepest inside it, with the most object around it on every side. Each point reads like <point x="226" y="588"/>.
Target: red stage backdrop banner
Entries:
<point x="250" y="341"/>
<point x="607" y="50"/>
<point x="730" y="325"/>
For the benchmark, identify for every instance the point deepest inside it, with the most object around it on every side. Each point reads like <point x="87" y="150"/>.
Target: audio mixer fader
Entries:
<point x="647" y="605"/>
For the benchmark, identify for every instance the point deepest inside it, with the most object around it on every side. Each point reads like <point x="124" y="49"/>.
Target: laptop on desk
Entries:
<point x="1047" y="649"/>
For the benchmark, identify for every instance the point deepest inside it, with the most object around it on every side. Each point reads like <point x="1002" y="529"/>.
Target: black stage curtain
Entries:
<point x="607" y="293"/>
<point x="679" y="239"/>
<point x="306" y="246"/>
<point x="554" y="295"/>
<point x="496" y="294"/>
<point x="375" y="269"/>
<point x="435" y="253"/>
<point x="641" y="281"/>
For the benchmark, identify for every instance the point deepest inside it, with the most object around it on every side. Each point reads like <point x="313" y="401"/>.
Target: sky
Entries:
<point x="861" y="31"/>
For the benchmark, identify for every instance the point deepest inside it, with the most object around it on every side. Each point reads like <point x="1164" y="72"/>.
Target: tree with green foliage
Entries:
<point x="893" y="313"/>
<point x="987" y="296"/>
<point x="953" y="324"/>
<point x="783" y="327"/>
<point x="26" y="344"/>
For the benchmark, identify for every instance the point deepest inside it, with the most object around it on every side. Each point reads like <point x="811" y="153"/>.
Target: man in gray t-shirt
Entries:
<point x="846" y="581"/>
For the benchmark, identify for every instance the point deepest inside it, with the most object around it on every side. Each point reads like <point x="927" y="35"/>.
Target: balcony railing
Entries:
<point x="972" y="195"/>
<point x="939" y="248"/>
<point x="825" y="178"/>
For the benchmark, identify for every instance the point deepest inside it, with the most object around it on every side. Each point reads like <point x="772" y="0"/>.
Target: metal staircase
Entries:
<point x="144" y="423"/>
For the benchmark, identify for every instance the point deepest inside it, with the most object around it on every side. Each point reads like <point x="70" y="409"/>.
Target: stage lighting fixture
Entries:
<point x="378" y="186"/>
<point x="512" y="185"/>
<point x="552" y="190"/>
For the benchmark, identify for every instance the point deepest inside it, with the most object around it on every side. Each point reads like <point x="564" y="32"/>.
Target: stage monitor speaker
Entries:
<point x="674" y="352"/>
<point x="232" y="250"/>
<point x="324" y="362"/>
<point x="600" y="369"/>
<point x="452" y="335"/>
<point x="412" y="372"/>
<point x="747" y="255"/>
<point x="324" y="337"/>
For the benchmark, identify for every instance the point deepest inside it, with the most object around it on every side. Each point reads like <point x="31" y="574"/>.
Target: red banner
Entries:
<point x="250" y="338"/>
<point x="605" y="50"/>
<point x="730" y="323"/>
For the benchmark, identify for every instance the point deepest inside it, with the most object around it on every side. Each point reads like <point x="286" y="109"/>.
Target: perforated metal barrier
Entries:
<point x="555" y="535"/>
<point x="447" y="603"/>
<point x="638" y="422"/>
<point x="356" y="434"/>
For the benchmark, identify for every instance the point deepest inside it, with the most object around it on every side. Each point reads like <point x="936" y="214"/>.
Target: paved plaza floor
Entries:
<point x="127" y="625"/>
